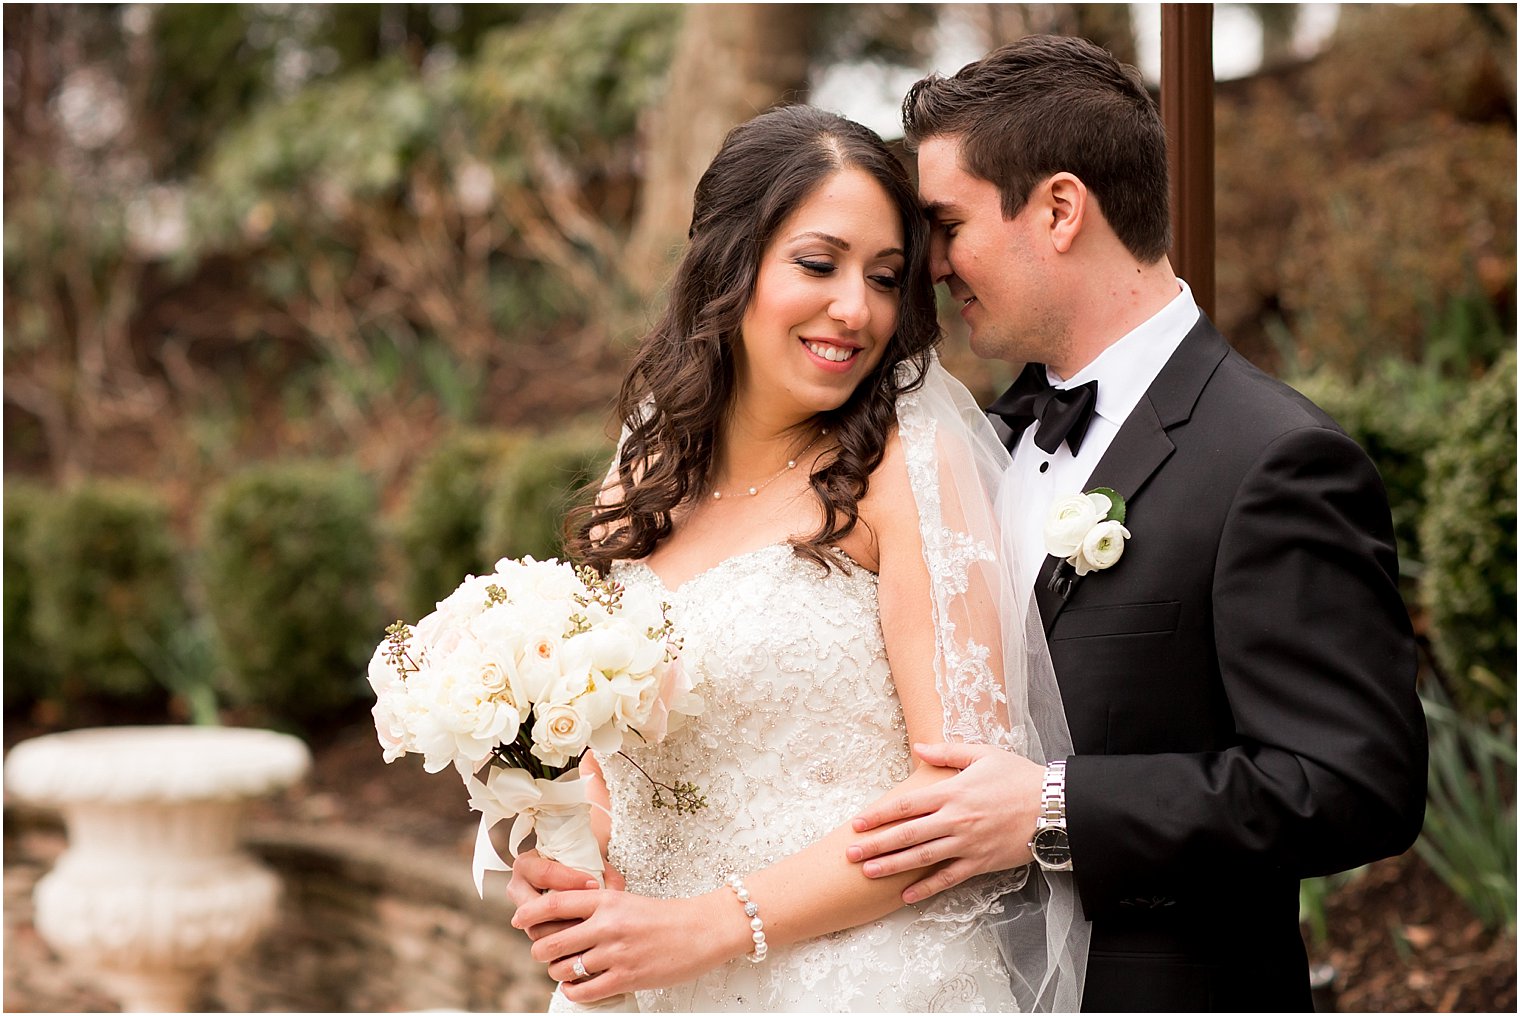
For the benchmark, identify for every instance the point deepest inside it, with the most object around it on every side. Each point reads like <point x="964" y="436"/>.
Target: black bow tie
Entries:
<point x="1063" y="413"/>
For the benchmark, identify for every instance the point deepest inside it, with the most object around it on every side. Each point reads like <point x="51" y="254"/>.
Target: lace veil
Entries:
<point x="993" y="674"/>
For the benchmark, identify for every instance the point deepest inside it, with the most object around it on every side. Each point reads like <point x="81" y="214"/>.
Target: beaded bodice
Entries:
<point x="802" y="728"/>
<point x="802" y="725"/>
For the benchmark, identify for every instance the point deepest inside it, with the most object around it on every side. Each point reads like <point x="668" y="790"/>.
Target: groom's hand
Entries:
<point x="533" y="875"/>
<point x="981" y="819"/>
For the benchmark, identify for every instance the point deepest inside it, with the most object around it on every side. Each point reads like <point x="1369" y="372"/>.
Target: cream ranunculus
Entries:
<point x="1070" y="519"/>
<point x="1102" y="547"/>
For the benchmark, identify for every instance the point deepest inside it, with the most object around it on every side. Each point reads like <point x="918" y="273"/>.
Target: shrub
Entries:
<point x="29" y="671"/>
<point x="1396" y="414"/>
<point x="1468" y="536"/>
<point x="440" y="534"/>
<point x="105" y="587"/>
<point x="525" y="513"/>
<point x="289" y="564"/>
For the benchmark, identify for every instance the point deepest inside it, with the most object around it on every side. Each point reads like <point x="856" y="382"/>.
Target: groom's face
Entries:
<point x="991" y="265"/>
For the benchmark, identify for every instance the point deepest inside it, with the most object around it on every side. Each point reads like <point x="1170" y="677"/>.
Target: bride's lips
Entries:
<point x="831" y="355"/>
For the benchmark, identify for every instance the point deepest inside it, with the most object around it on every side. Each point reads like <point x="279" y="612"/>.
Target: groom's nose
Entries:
<point x="939" y="256"/>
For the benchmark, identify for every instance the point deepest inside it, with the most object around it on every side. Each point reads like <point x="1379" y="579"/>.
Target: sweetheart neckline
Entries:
<point x="676" y="590"/>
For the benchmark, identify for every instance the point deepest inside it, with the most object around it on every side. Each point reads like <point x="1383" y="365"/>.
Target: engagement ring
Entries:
<point x="581" y="972"/>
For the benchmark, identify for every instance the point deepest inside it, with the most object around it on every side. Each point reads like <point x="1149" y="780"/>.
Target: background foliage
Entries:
<point x="311" y="309"/>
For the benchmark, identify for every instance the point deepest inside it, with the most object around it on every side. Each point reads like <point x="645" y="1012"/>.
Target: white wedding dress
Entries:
<point x="802" y="730"/>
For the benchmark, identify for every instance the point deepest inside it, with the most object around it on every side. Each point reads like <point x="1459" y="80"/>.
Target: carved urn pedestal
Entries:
<point x="154" y="890"/>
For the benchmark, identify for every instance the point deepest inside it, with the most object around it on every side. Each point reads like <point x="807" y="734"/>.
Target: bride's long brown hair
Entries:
<point x="681" y="383"/>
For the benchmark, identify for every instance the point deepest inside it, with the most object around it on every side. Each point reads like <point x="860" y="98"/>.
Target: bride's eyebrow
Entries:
<point x="843" y="245"/>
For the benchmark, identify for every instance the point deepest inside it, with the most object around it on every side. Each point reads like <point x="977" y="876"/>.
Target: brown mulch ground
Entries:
<point x="1400" y="941"/>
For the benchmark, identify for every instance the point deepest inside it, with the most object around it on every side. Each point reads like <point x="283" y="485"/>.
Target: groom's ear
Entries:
<point x="1067" y="202"/>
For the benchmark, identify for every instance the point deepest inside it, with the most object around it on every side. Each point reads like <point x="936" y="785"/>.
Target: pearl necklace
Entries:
<point x="790" y="464"/>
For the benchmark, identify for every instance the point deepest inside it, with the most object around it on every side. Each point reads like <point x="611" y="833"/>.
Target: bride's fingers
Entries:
<point x="595" y="988"/>
<point x="565" y="945"/>
<point x="548" y="928"/>
<point x="563" y="970"/>
<point x="561" y="906"/>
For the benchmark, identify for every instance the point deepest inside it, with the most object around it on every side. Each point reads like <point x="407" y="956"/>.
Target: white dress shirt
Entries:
<point x="1123" y="371"/>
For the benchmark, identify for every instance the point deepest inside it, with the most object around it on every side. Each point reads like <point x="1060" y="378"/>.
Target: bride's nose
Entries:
<point x="849" y="305"/>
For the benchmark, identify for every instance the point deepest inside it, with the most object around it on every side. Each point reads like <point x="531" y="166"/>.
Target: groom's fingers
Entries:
<point x="899" y="838"/>
<point x="897" y="809"/>
<point x="951" y="754"/>
<point x="951" y="875"/>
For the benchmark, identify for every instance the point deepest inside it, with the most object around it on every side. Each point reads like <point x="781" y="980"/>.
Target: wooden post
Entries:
<point x="1187" y="109"/>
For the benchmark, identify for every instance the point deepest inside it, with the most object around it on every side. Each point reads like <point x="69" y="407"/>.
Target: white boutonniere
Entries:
<point x="1087" y="530"/>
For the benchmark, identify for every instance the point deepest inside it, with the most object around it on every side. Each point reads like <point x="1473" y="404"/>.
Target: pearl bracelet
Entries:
<point x="752" y="911"/>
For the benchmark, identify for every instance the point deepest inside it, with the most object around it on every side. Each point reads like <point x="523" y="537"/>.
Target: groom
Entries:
<point x="1240" y="682"/>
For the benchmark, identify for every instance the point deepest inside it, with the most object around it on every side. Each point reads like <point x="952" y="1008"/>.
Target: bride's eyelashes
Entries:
<point x="825" y="268"/>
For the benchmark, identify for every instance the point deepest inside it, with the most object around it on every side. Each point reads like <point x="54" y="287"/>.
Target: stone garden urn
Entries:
<point x="154" y="891"/>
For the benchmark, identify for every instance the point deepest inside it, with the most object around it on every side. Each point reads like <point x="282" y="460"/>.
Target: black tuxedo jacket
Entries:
<point x="1240" y="689"/>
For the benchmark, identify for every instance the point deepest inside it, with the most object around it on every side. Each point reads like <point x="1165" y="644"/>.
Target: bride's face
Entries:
<point x="825" y="301"/>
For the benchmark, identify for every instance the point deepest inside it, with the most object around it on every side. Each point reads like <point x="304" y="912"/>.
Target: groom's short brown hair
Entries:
<point x="1050" y="104"/>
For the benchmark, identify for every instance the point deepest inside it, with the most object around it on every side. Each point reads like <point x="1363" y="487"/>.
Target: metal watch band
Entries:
<point x="1053" y="796"/>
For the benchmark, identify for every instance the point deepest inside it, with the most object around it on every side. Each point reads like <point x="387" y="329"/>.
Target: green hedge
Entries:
<point x="105" y="587"/>
<point x="440" y="533"/>
<point x="533" y="490"/>
<point x="30" y="673"/>
<point x="289" y="565"/>
<point x="1468" y="539"/>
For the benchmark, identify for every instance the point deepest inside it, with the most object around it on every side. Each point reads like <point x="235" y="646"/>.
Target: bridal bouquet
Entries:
<point x="512" y="678"/>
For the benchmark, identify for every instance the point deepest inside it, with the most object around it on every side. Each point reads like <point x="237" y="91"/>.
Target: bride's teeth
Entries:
<point x="836" y="354"/>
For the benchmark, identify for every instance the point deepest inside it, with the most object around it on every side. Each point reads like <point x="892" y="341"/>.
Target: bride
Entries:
<point x="811" y="493"/>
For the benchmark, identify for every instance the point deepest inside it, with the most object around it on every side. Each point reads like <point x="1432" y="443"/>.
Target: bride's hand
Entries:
<point x="534" y="875"/>
<point x="981" y="819"/>
<point x="629" y="942"/>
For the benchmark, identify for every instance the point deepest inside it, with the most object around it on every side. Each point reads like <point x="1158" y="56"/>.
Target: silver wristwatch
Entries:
<point x="1050" y="846"/>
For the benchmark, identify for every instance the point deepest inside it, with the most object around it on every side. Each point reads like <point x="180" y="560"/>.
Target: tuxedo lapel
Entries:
<point x="1142" y="445"/>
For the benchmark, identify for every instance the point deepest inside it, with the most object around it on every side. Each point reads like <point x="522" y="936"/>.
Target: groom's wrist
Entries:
<point x="1051" y="846"/>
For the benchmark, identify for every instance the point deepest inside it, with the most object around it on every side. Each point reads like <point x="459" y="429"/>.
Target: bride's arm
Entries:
<point x="632" y="942"/>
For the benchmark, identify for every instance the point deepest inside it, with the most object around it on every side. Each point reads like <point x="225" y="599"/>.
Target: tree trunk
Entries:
<point x="731" y="63"/>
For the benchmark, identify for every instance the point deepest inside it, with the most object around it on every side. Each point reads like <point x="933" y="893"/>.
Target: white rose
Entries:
<point x="1070" y="519"/>
<point x="541" y="666"/>
<point x="383" y="674"/>
<point x="636" y="697"/>
<point x="560" y="733"/>
<point x="461" y="718"/>
<point x="390" y="725"/>
<point x="467" y="601"/>
<point x="1102" y="548"/>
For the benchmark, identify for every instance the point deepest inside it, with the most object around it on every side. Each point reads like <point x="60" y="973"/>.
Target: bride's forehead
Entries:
<point x="849" y="205"/>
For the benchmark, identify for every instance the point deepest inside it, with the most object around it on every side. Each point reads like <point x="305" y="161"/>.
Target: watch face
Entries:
<point x="1051" y="847"/>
